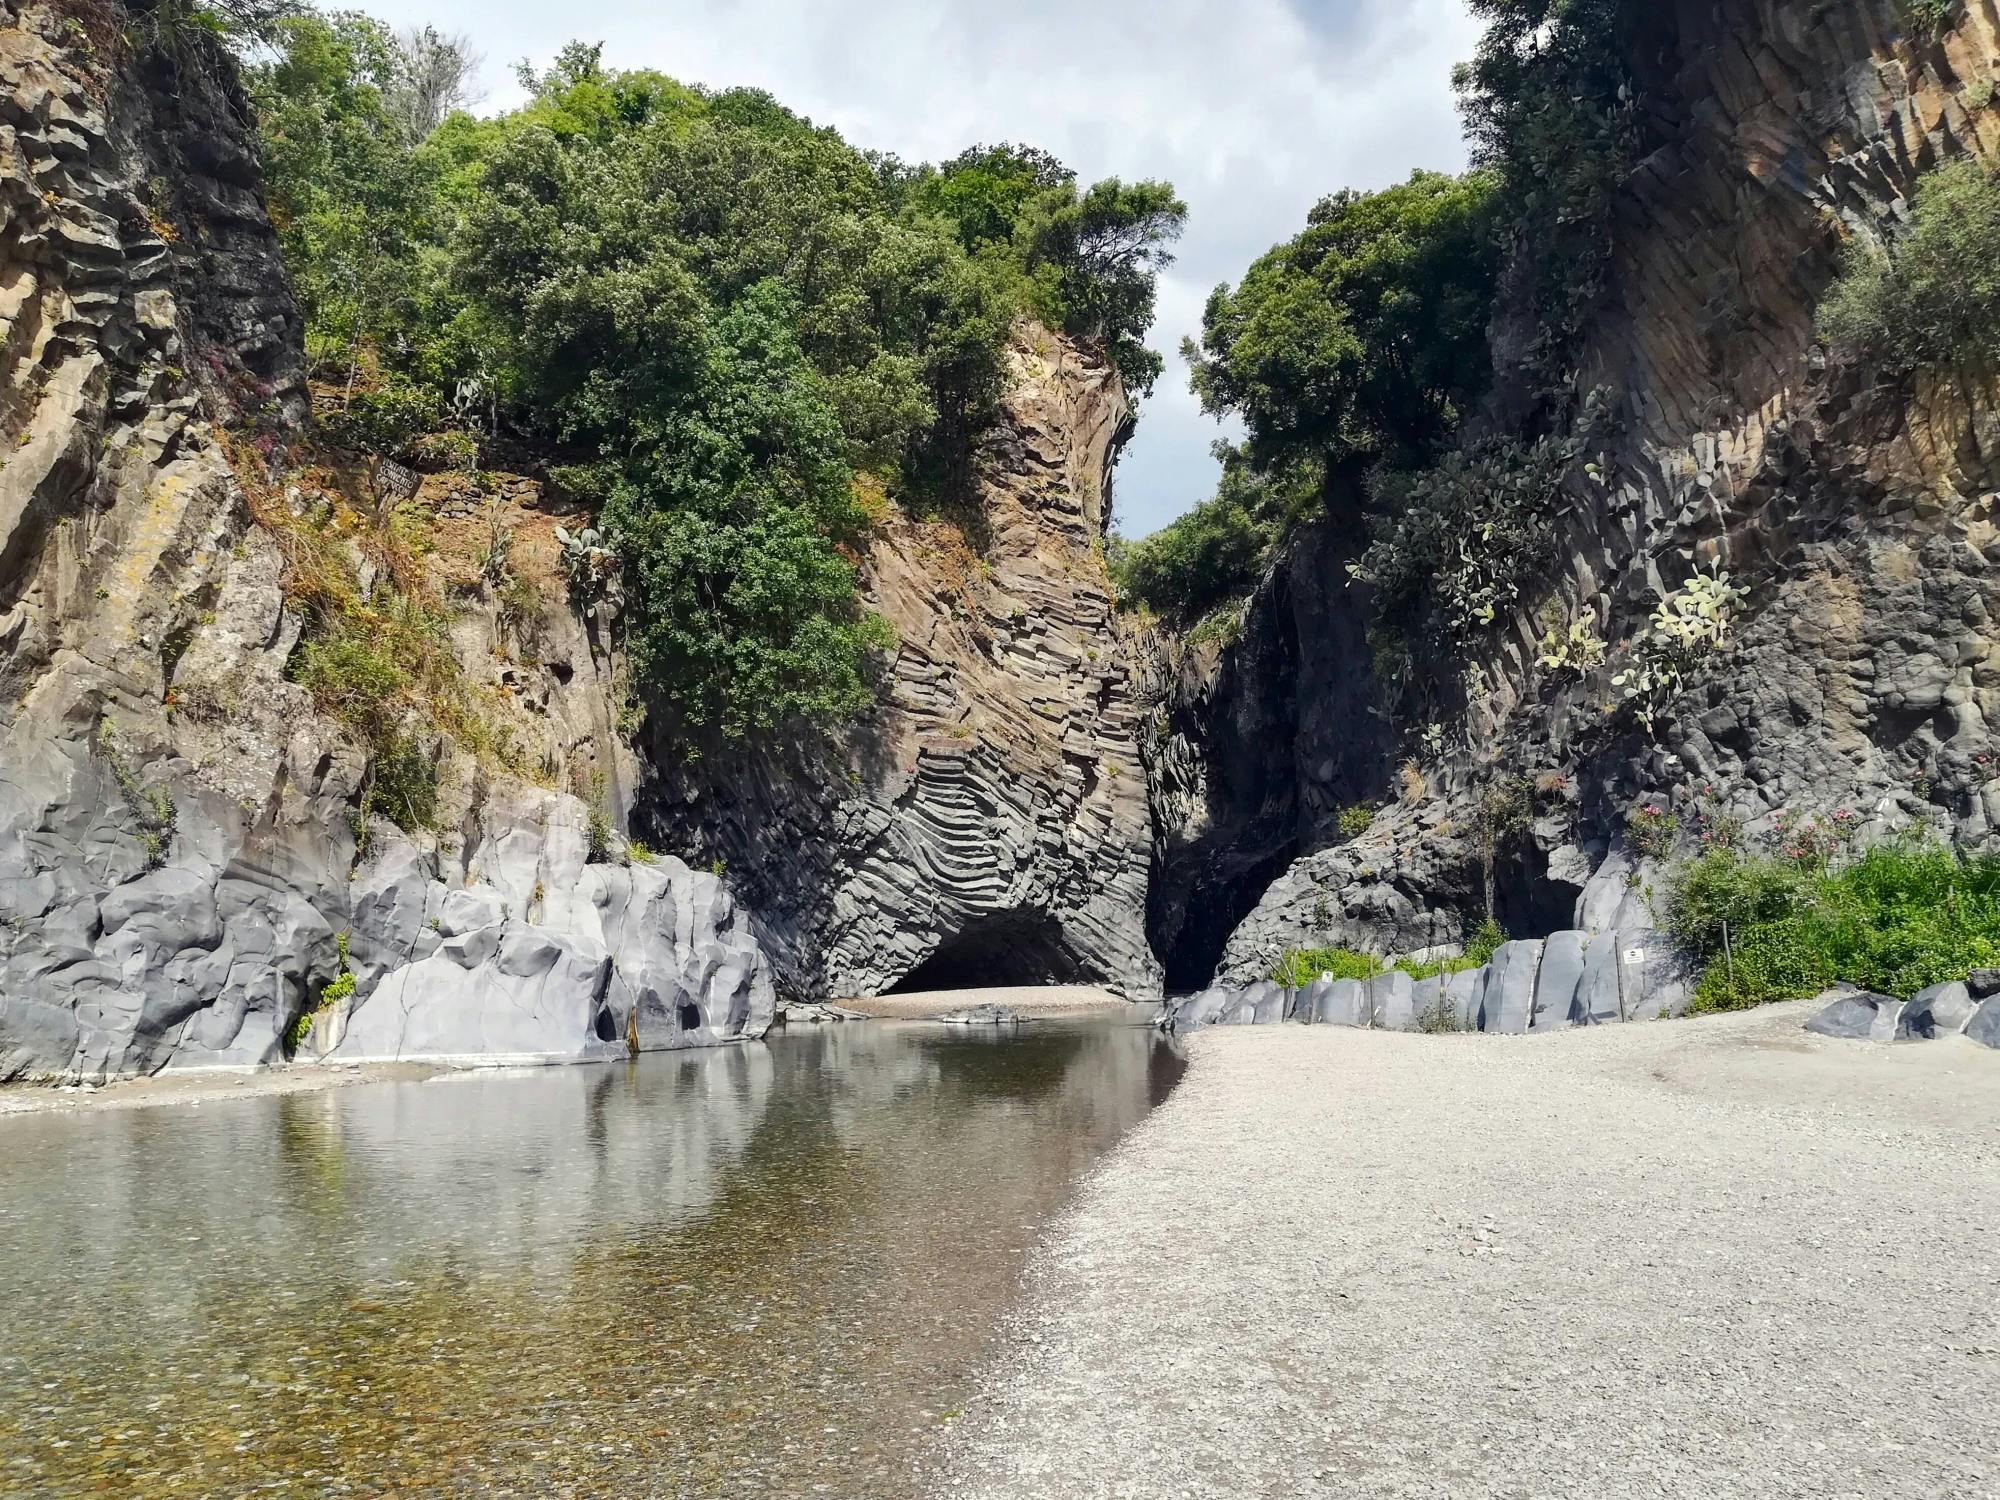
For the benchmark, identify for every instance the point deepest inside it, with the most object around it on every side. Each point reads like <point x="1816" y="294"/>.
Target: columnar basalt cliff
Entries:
<point x="180" y="880"/>
<point x="988" y="823"/>
<point x="1858" y="512"/>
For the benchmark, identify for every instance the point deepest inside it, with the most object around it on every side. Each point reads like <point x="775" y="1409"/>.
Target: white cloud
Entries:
<point x="1253" y="110"/>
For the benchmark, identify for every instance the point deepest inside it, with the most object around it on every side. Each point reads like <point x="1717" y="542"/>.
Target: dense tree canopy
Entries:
<point x="1357" y="349"/>
<point x="1361" y="340"/>
<point x="1364" y="336"/>
<point x="708" y="312"/>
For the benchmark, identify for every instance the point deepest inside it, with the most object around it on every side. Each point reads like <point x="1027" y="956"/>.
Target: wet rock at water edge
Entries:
<point x="805" y="1013"/>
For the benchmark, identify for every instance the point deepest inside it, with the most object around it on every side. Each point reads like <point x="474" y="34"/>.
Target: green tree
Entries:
<point x="707" y="312"/>
<point x="1084" y="261"/>
<point x="353" y="204"/>
<point x="731" y="526"/>
<point x="1933" y="297"/>
<point x="1364" y="336"/>
<point x="1095" y="259"/>
<point x="1550" y="107"/>
<point x="1218" y="550"/>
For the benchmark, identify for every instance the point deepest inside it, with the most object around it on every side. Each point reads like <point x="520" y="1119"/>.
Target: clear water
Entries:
<point x="764" y="1270"/>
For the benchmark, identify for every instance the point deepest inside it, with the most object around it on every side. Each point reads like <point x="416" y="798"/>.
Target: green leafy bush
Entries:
<point x="1486" y="940"/>
<point x="1689" y="625"/>
<point x="1932" y="17"/>
<point x="1456" y="545"/>
<point x="356" y="680"/>
<point x="405" y="786"/>
<point x="337" y="989"/>
<point x="1650" y="829"/>
<point x="1933" y="297"/>
<point x="1432" y="968"/>
<point x="1899" y="918"/>
<point x="1356" y="820"/>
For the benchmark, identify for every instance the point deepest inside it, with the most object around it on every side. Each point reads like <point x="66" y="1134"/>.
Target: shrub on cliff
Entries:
<point x="1551" y="111"/>
<point x="1932" y="297"/>
<point x="713" y="313"/>
<point x="1456" y="545"/>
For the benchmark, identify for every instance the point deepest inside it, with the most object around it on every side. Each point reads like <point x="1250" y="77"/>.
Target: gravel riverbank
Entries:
<point x="1716" y="1257"/>
<point x="1047" y="1002"/>
<point x="193" y="1086"/>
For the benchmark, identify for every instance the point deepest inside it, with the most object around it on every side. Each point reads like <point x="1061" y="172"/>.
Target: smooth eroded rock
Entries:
<point x="1859" y="1015"/>
<point x="1942" y="1010"/>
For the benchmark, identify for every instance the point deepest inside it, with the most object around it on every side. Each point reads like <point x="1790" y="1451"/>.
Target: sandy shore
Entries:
<point x="1709" y="1258"/>
<point x="1047" y="1001"/>
<point x="194" y="1087"/>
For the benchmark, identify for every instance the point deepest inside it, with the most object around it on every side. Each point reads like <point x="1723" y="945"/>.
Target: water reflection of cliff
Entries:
<point x="699" y="1252"/>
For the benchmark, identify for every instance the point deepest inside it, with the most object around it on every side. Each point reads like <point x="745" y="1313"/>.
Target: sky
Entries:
<point x="1253" y="109"/>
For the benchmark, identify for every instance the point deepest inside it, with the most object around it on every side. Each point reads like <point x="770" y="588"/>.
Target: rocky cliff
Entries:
<point x="1858" y="513"/>
<point x="188" y="866"/>
<point x="988" y="822"/>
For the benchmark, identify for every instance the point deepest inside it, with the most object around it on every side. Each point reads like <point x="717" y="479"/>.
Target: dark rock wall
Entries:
<point x="1858" y="513"/>
<point x="1255" y="748"/>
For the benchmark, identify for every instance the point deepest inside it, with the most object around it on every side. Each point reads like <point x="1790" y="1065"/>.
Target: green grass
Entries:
<point x="1436" y="966"/>
<point x="1302" y="966"/>
<point x="1901" y="917"/>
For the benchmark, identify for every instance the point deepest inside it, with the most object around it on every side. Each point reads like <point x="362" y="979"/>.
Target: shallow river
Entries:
<point x="762" y="1270"/>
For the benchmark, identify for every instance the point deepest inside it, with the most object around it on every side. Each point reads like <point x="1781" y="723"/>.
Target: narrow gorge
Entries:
<point x="199" y="863"/>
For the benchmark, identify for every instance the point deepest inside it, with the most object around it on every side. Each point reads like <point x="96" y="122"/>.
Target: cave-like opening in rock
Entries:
<point x="689" y="1015"/>
<point x="1000" y="951"/>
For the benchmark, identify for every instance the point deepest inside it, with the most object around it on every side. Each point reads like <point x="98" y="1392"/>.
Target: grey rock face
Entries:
<point x="1859" y="676"/>
<point x="1559" y="981"/>
<point x="1195" y="1011"/>
<point x="1267" y="1002"/>
<point x="988" y="824"/>
<point x="1984" y="1027"/>
<point x="1392" y="1002"/>
<point x="111" y="965"/>
<point x="1340" y="1002"/>
<point x="178" y="866"/>
<point x="1600" y="996"/>
<point x="1983" y="983"/>
<point x="1858" y="1016"/>
<point x="1507" y="998"/>
<point x="1942" y="1010"/>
